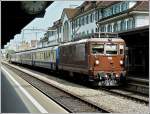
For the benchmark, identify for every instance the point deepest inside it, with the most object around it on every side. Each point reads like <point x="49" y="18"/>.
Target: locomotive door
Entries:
<point x="126" y="59"/>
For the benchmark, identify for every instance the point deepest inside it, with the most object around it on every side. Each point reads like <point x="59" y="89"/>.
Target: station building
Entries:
<point x="104" y="16"/>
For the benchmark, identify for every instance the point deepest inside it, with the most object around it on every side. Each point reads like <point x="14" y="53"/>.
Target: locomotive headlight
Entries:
<point x="117" y="75"/>
<point x="97" y="62"/>
<point x="121" y="62"/>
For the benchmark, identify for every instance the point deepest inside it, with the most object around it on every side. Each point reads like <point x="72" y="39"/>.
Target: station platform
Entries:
<point x="18" y="96"/>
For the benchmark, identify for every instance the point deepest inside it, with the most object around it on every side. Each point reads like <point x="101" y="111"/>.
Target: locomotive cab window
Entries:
<point x="121" y="48"/>
<point x="98" y="48"/>
<point x="111" y="49"/>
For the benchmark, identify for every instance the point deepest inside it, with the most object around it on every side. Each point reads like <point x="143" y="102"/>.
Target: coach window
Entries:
<point x="43" y="55"/>
<point x="98" y="48"/>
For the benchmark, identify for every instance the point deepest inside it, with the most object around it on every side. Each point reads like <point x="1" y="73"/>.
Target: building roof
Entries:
<point x="70" y="12"/>
<point x="141" y="6"/>
<point x="85" y="6"/>
<point x="105" y="4"/>
<point x="58" y="23"/>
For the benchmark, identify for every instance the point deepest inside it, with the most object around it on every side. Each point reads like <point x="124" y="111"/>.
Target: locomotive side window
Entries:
<point x="111" y="49"/>
<point x="98" y="48"/>
<point x="80" y="52"/>
<point x="121" y="47"/>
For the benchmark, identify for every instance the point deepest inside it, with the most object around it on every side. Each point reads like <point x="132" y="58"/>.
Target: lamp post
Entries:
<point x="44" y="30"/>
<point x="31" y="30"/>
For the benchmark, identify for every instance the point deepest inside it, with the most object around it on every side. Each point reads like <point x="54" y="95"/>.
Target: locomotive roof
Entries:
<point x="94" y="40"/>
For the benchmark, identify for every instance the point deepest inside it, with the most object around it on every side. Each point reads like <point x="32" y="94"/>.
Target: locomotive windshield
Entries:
<point x="105" y="49"/>
<point x="98" y="48"/>
<point x="111" y="49"/>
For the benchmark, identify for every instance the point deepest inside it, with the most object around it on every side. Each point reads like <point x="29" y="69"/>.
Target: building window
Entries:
<point x="87" y="19"/>
<point x="109" y="28"/>
<point x="72" y="25"/>
<point x="96" y="15"/>
<point x="130" y="23"/>
<point x="57" y="30"/>
<point x="107" y="12"/>
<point x="99" y="14"/>
<point x="92" y="31"/>
<point x="105" y="28"/>
<point x="115" y="27"/>
<point x="102" y="28"/>
<point x="82" y="9"/>
<point x="123" y="25"/>
<point x="133" y="23"/>
<point x="82" y="20"/>
<point x="87" y="32"/>
<point x="83" y="34"/>
<point x="76" y="23"/>
<point x="96" y="30"/>
<point x="116" y="8"/>
<point x="60" y="30"/>
<point x="124" y="6"/>
<point x="91" y="17"/>
<point x="79" y="21"/>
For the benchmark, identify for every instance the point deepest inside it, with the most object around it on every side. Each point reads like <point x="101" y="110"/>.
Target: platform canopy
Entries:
<point x="17" y="14"/>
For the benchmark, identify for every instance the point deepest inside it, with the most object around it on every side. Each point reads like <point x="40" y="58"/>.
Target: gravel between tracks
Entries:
<point x="97" y="97"/>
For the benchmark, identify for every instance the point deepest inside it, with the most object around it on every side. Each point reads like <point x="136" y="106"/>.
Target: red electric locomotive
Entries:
<point x="99" y="59"/>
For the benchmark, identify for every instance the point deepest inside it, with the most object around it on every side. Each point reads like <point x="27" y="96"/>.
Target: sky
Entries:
<point x="53" y="13"/>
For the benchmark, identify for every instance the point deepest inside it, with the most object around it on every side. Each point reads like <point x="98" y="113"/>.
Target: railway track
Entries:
<point x="138" y="85"/>
<point x="136" y="89"/>
<point x="71" y="103"/>
<point x="128" y="94"/>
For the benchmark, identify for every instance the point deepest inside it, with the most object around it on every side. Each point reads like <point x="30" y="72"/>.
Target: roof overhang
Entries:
<point x="14" y="18"/>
